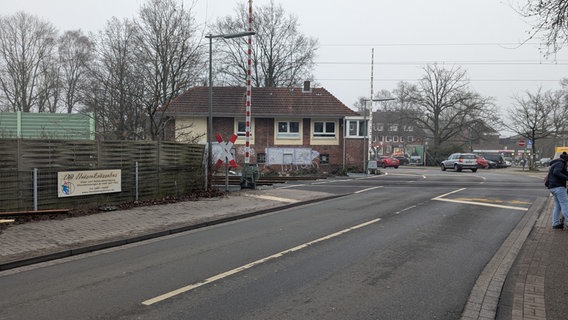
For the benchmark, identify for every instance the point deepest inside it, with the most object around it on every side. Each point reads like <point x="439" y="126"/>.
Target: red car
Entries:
<point x="387" y="161"/>
<point x="482" y="162"/>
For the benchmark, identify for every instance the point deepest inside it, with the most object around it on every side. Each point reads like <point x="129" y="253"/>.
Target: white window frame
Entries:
<point x="324" y="134"/>
<point x="360" y="125"/>
<point x="288" y="134"/>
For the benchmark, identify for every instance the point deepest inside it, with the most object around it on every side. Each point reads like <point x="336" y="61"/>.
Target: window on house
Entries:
<point x="261" y="158"/>
<point x="288" y="129"/>
<point x="324" y="129"/>
<point x="377" y="127"/>
<point x="410" y="139"/>
<point x="408" y="128"/>
<point x="389" y="138"/>
<point x="401" y="139"/>
<point x="393" y="128"/>
<point x="395" y="138"/>
<point x="324" y="158"/>
<point x="242" y="128"/>
<point x="356" y="128"/>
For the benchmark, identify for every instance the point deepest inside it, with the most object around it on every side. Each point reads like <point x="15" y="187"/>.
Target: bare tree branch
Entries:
<point x="549" y="19"/>
<point x="75" y="54"/>
<point x="169" y="57"/>
<point x="282" y="56"/>
<point x="26" y="44"/>
<point x="538" y="116"/>
<point x="443" y="105"/>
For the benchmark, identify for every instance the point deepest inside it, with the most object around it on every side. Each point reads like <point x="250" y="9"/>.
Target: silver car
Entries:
<point x="460" y="161"/>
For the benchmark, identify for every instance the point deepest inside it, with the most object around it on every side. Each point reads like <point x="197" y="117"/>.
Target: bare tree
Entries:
<point x="443" y="105"/>
<point x="75" y="53"/>
<point x="560" y="116"/>
<point x="169" y="58"/>
<point x="538" y="116"/>
<point x="49" y="86"/>
<point x="27" y="44"/>
<point x="114" y="94"/>
<point x="281" y="55"/>
<point x="549" y="19"/>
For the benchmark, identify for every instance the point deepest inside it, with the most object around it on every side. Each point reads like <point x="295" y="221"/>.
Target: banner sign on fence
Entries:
<point x="80" y="183"/>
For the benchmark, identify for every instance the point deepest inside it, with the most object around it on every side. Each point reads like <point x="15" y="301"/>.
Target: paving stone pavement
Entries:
<point x="45" y="240"/>
<point x="537" y="285"/>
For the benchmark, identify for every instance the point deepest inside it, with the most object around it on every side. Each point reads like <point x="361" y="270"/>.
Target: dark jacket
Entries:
<point x="557" y="174"/>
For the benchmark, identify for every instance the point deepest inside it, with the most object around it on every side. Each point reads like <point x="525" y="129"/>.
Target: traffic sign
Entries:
<point x="226" y="154"/>
<point x="522" y="143"/>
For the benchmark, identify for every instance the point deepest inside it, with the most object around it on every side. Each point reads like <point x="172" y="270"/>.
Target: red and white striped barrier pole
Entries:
<point x="249" y="87"/>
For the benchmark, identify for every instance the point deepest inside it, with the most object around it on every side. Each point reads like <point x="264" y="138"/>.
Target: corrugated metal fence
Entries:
<point x="149" y="169"/>
<point x="30" y="125"/>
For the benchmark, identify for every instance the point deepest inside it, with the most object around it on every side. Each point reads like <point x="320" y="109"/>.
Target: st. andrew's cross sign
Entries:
<point x="226" y="156"/>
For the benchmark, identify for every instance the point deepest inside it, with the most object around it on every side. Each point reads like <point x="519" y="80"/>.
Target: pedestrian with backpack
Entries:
<point x="556" y="184"/>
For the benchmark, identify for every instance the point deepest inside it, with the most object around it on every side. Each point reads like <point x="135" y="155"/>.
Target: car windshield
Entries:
<point x="493" y="157"/>
<point x="468" y="156"/>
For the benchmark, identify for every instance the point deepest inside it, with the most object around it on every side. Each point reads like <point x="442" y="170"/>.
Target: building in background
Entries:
<point x="290" y="128"/>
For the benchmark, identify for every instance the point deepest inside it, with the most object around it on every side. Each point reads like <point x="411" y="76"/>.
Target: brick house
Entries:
<point x="392" y="135"/>
<point x="290" y="128"/>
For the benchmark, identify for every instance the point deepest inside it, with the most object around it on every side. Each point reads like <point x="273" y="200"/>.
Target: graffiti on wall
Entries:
<point x="303" y="157"/>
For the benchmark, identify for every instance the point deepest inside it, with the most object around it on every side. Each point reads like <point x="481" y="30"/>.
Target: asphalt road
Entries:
<point x="406" y="245"/>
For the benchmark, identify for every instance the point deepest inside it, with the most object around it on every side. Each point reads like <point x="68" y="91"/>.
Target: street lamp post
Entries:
<point x="210" y="98"/>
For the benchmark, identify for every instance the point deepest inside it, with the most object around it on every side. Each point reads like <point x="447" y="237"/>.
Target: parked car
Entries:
<point x="543" y="162"/>
<point x="497" y="158"/>
<point x="402" y="160"/>
<point x="387" y="161"/>
<point x="482" y="162"/>
<point x="460" y="161"/>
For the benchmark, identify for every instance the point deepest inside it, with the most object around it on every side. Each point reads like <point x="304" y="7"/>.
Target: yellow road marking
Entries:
<point x="477" y="202"/>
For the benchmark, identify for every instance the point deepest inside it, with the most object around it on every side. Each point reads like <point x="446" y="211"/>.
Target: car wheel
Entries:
<point x="473" y="170"/>
<point x="443" y="167"/>
<point x="396" y="167"/>
<point x="384" y="165"/>
<point x="457" y="168"/>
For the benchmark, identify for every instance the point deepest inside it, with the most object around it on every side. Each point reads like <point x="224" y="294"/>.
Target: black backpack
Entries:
<point x="546" y="184"/>
<point x="546" y="179"/>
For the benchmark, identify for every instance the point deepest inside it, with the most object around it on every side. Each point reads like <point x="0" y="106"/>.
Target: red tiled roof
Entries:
<point x="266" y="103"/>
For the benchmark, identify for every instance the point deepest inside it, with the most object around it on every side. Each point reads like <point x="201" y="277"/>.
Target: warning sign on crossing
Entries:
<point x="226" y="156"/>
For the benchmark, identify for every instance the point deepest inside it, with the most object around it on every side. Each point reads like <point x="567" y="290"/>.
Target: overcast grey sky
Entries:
<point x="481" y="36"/>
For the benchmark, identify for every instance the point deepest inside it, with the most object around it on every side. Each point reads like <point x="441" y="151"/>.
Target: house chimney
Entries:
<point x="307" y="87"/>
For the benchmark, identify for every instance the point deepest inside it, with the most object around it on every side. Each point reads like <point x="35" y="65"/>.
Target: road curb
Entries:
<point x="484" y="297"/>
<point x="152" y="235"/>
